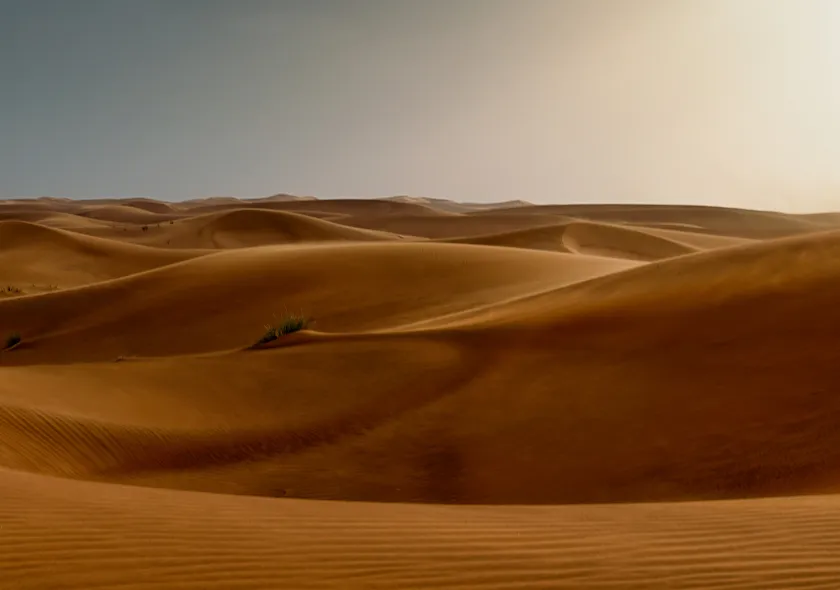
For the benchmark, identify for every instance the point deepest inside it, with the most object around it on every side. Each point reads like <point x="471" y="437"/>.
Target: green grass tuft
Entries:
<point x="288" y="324"/>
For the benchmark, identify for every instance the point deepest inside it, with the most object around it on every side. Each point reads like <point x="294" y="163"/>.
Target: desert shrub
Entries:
<point x="291" y="322"/>
<point x="12" y="339"/>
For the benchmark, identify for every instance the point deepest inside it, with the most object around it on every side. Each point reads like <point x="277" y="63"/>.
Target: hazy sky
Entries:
<point x="733" y="102"/>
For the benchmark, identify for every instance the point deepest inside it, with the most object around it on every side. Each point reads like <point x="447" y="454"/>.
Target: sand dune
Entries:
<point x="123" y="214"/>
<point x="372" y="207"/>
<point x="601" y="239"/>
<point x="455" y="207"/>
<point x="694" y="239"/>
<point x="739" y="223"/>
<point x="545" y="237"/>
<point x="32" y="255"/>
<point x="380" y="286"/>
<point x="830" y="220"/>
<point x="240" y="228"/>
<point x="588" y="396"/>
<point x="590" y="388"/>
<point x="56" y="219"/>
<point x="596" y="239"/>
<point x="454" y="226"/>
<point x="148" y="205"/>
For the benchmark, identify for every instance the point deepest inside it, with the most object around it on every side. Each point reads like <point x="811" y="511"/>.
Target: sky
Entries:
<point x="719" y="102"/>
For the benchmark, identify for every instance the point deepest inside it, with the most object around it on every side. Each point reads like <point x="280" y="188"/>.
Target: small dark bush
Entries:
<point x="288" y="323"/>
<point x="12" y="340"/>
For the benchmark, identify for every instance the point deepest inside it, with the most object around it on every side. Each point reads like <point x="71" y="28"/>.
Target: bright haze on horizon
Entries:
<point x="718" y="102"/>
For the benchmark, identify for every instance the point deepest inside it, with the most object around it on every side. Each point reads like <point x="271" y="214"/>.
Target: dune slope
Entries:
<point x="224" y="300"/>
<point x="595" y="239"/>
<point x="34" y="254"/>
<point x="644" y="386"/>
<point x="242" y="228"/>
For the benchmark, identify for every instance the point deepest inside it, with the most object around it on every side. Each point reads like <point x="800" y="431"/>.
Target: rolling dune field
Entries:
<point x="494" y="397"/>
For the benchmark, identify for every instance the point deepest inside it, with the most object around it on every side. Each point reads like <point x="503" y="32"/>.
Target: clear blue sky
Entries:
<point x="714" y="101"/>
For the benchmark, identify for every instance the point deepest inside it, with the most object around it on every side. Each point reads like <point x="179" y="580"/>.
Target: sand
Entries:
<point x="515" y="396"/>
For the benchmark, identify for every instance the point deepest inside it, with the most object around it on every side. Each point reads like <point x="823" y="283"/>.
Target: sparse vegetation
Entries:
<point x="13" y="290"/>
<point x="12" y="340"/>
<point x="289" y="323"/>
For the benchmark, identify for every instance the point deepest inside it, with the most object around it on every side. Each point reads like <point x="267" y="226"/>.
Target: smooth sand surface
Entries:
<point x="516" y="396"/>
<point x="241" y="228"/>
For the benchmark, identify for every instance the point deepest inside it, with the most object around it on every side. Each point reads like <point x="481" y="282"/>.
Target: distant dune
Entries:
<point x="452" y="226"/>
<point x="499" y="396"/>
<point x="148" y="205"/>
<point x="123" y="214"/>
<point x="333" y="206"/>
<point x="241" y="228"/>
<point x="737" y="223"/>
<point x="595" y="239"/>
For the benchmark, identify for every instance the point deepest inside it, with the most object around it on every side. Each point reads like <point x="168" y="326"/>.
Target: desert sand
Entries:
<point x="488" y="396"/>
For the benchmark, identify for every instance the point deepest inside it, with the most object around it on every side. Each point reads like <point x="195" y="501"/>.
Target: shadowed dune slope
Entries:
<point x="242" y="228"/>
<point x="224" y="300"/>
<point x="32" y="253"/>
<point x="672" y="381"/>
<point x="66" y="534"/>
